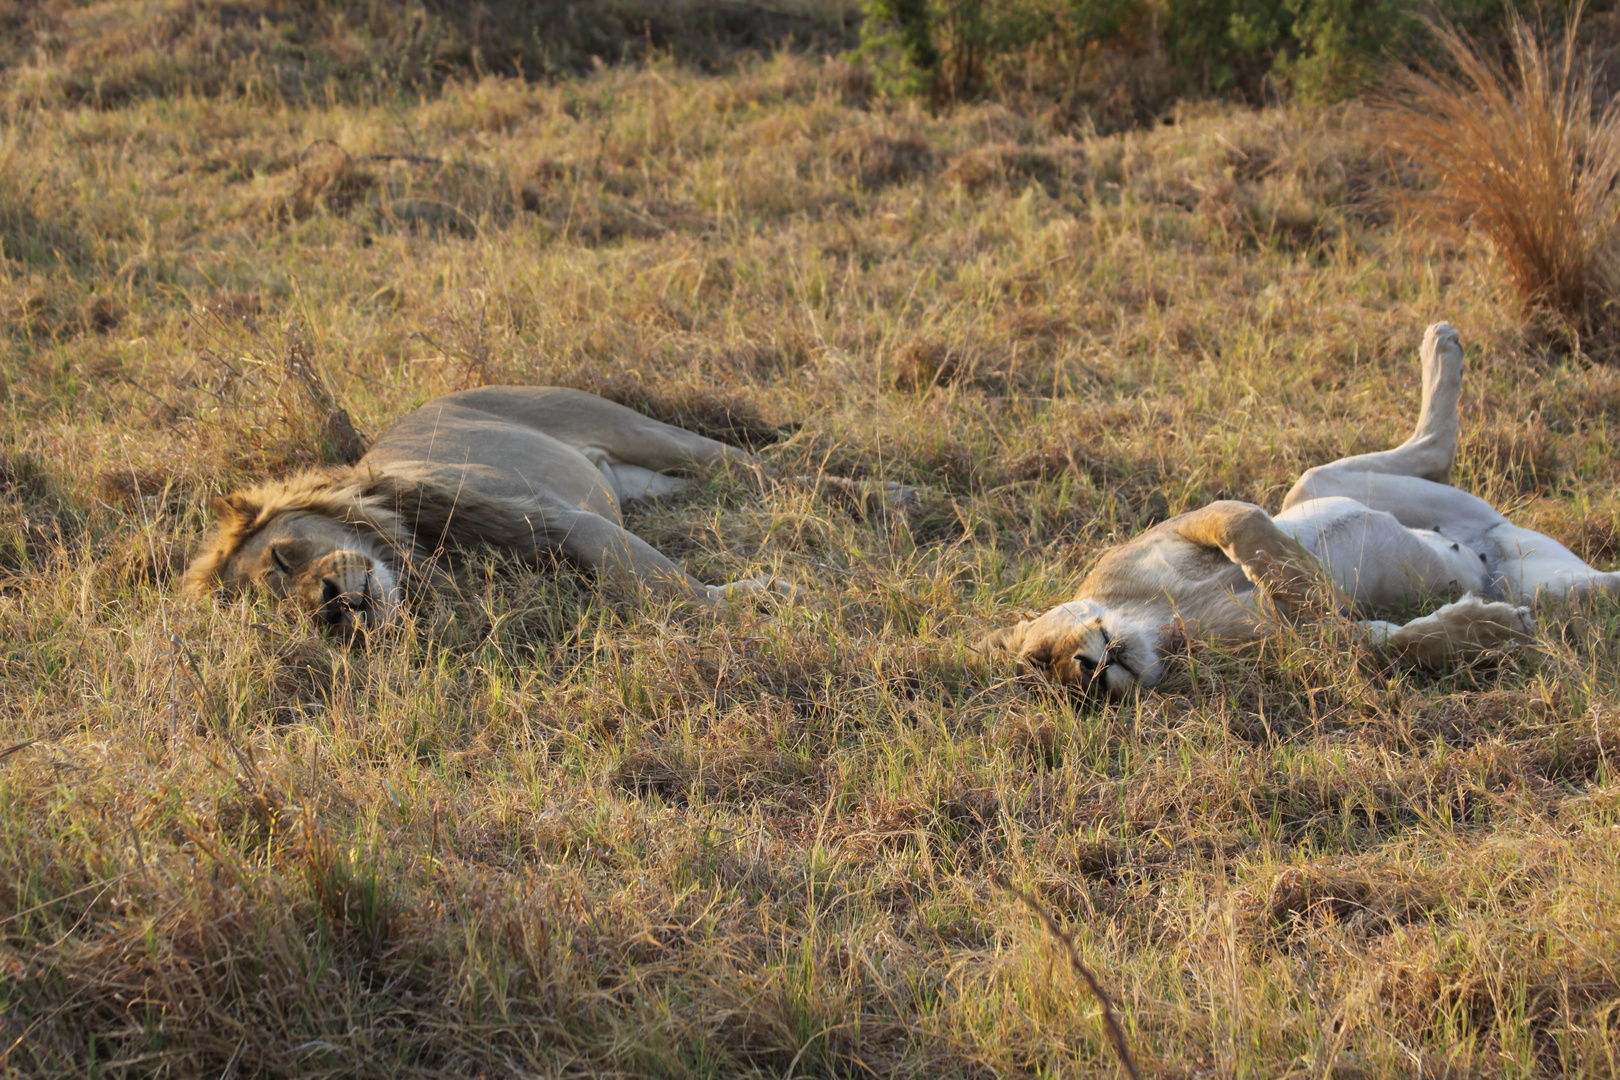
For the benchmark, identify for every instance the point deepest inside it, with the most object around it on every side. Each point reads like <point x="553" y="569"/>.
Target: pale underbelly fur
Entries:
<point x="1377" y="561"/>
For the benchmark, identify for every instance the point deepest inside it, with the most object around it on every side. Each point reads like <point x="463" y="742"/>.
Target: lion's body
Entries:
<point x="544" y="444"/>
<point x="528" y="471"/>
<point x="1383" y="531"/>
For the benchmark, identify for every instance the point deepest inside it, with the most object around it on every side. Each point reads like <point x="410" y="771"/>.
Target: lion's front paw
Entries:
<point x="757" y="586"/>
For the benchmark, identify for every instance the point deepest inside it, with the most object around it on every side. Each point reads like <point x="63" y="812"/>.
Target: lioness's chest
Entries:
<point x="1164" y="567"/>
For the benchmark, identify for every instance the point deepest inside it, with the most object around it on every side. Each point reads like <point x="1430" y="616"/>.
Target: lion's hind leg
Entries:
<point x="643" y="458"/>
<point x="1459" y="631"/>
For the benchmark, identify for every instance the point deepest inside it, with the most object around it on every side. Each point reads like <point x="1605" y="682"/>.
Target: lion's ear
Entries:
<point x="234" y="510"/>
<point x="1009" y="639"/>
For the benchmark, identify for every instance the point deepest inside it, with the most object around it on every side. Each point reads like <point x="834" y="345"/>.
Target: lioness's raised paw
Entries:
<point x="1464" y="628"/>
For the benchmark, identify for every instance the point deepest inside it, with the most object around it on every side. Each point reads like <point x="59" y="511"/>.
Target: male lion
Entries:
<point x="1387" y="528"/>
<point x="526" y="470"/>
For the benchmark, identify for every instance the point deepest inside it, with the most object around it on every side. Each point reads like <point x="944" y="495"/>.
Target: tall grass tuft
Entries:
<point x="1528" y="159"/>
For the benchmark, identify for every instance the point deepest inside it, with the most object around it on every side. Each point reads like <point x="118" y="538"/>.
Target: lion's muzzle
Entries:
<point x="349" y="591"/>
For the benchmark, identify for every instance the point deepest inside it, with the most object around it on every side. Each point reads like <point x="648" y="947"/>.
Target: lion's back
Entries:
<point x="510" y="443"/>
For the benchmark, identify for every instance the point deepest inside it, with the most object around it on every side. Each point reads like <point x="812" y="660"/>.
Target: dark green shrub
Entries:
<point x="1318" y="49"/>
<point x="1222" y="45"/>
<point x="950" y="49"/>
<point x="910" y="29"/>
<point x="1340" y="41"/>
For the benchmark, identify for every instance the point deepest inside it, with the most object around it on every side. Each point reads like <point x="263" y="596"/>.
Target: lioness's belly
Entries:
<point x="1377" y="561"/>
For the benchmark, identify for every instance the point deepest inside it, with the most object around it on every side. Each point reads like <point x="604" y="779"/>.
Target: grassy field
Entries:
<point x="544" y="834"/>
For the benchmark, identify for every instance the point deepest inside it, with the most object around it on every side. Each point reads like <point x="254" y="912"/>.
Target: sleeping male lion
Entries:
<point x="525" y="470"/>
<point x="1387" y="528"/>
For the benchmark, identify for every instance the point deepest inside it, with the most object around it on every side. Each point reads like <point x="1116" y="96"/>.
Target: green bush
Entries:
<point x="1221" y="45"/>
<point x="1318" y="49"/>
<point x="947" y="49"/>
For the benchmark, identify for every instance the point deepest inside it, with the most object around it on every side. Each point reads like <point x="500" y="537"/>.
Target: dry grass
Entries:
<point x="539" y="834"/>
<point x="1530" y="160"/>
<point x="110" y="53"/>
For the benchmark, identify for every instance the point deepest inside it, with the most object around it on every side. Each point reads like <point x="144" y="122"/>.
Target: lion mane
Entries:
<point x="424" y="528"/>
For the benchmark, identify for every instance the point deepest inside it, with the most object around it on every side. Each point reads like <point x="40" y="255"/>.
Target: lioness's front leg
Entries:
<point x="1459" y="631"/>
<point x="1269" y="557"/>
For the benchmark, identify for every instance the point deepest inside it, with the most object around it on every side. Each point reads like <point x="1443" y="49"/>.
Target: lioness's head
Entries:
<point x="1084" y="645"/>
<point x="298" y="541"/>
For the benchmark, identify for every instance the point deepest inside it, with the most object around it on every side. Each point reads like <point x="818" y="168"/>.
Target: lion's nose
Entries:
<point x="338" y="606"/>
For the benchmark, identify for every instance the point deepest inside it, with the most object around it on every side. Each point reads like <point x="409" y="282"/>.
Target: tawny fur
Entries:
<point x="426" y="528"/>
<point x="526" y="471"/>
<point x="1375" y="532"/>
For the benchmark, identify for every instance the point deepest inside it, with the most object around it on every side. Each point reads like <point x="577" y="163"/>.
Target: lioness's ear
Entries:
<point x="1010" y="639"/>
<point x="234" y="509"/>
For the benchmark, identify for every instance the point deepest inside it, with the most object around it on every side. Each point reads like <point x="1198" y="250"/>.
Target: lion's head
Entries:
<point x="347" y="543"/>
<point x="1085" y="646"/>
<point x="320" y="539"/>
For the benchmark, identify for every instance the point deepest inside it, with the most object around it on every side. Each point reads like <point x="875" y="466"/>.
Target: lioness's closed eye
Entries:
<point x="1385" y="531"/>
<point x="1083" y="646"/>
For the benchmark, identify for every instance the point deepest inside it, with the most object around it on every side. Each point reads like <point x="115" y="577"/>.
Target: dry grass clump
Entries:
<point x="1529" y="160"/>
<point x="539" y="832"/>
<point x="108" y="53"/>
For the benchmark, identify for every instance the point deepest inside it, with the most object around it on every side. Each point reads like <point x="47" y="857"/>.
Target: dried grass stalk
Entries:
<point x="311" y="409"/>
<point x="1116" y="1033"/>
<point x="1530" y="161"/>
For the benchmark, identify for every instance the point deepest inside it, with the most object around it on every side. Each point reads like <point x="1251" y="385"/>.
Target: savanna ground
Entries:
<point x="541" y="833"/>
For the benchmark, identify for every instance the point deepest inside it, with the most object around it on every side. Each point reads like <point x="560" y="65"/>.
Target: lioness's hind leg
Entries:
<point x="1530" y="567"/>
<point x="1430" y="451"/>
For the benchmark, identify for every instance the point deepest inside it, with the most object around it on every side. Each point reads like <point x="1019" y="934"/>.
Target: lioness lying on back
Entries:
<point x="1387" y="528"/>
<point x="525" y="470"/>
